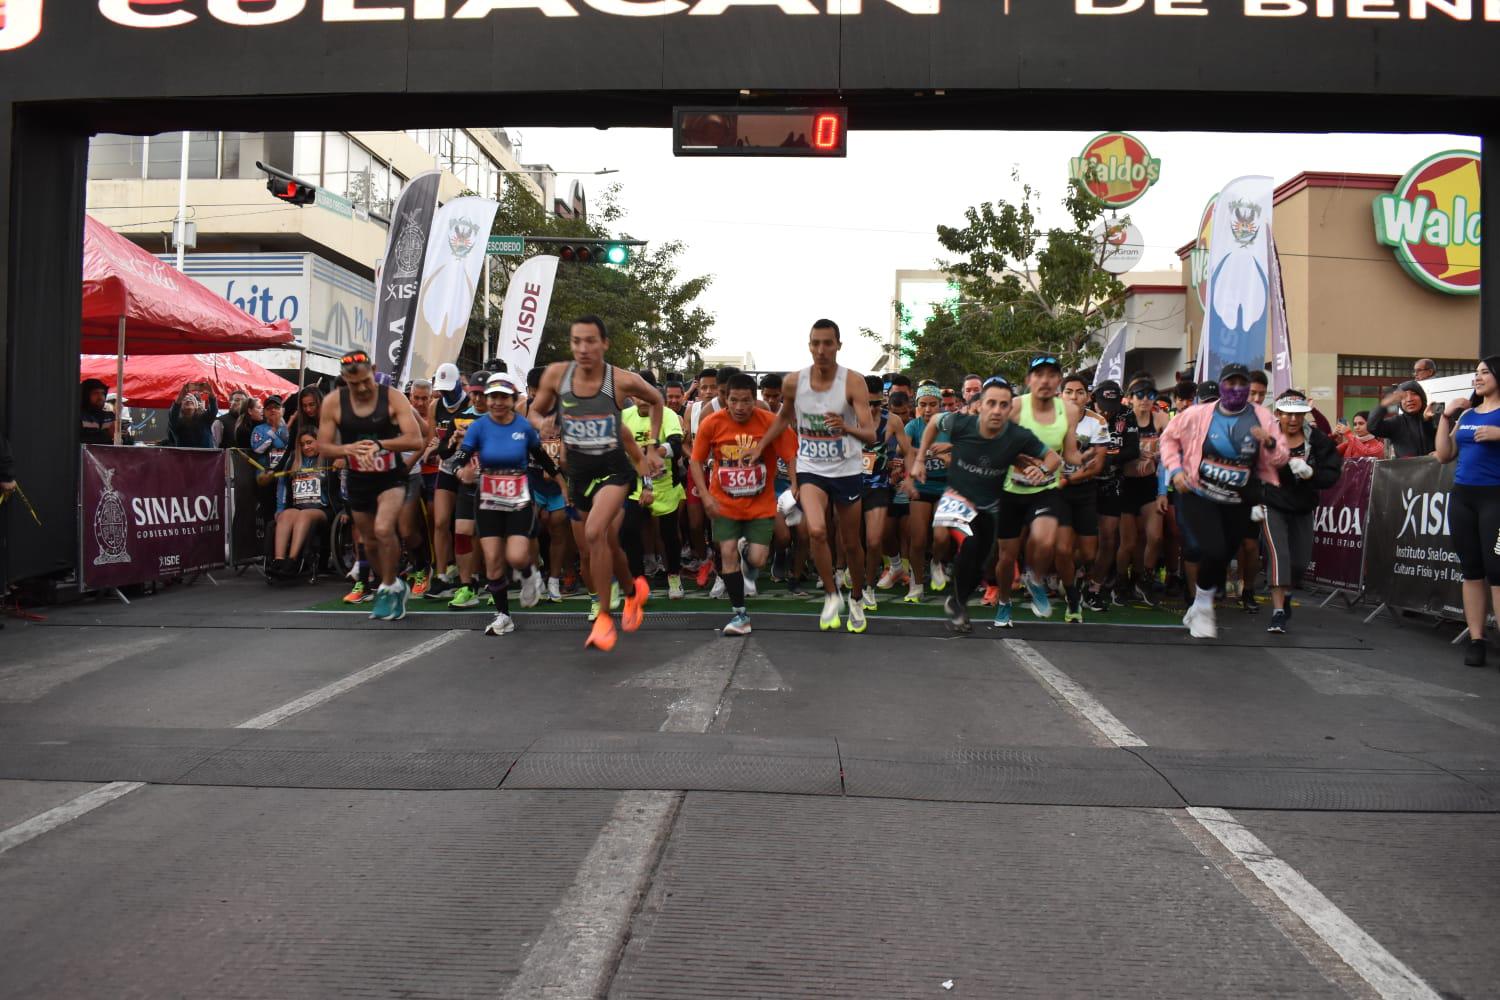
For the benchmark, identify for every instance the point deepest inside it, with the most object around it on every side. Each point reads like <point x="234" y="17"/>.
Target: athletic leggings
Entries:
<point x="1474" y="520"/>
<point x="974" y="555"/>
<point x="1211" y="535"/>
<point x="634" y="539"/>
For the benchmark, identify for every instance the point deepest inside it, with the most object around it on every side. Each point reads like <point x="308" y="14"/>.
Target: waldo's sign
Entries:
<point x="1116" y="169"/>
<point x="1198" y="258"/>
<point x="1432" y="221"/>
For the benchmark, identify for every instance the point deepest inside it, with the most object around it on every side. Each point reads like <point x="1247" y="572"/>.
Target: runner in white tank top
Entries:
<point x="830" y="407"/>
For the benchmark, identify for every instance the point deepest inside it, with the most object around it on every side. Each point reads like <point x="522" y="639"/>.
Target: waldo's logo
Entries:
<point x="1432" y="221"/>
<point x="20" y="23"/>
<point x="1116" y="169"/>
<point x="1199" y="257"/>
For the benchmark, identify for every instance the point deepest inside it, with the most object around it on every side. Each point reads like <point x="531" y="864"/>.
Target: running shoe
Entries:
<point x="419" y="583"/>
<point x="398" y="602"/>
<point x="870" y="603"/>
<point x="502" y="625"/>
<point x="603" y="635"/>
<point x="1117" y="599"/>
<point x="1278" y="622"/>
<point x="888" y="578"/>
<point x="359" y="595"/>
<point x="357" y="571"/>
<point x="593" y="608"/>
<point x="739" y="624"/>
<point x="938" y="578"/>
<point x="778" y="566"/>
<point x="841" y="578"/>
<point x="958" y="615"/>
<point x="719" y="591"/>
<point x="1474" y="656"/>
<point x="991" y="596"/>
<point x="856" y="616"/>
<point x="913" y="593"/>
<point x="384" y="604"/>
<point x="1096" y="602"/>
<point x="570" y="583"/>
<point x="705" y="570"/>
<point x="833" y="607"/>
<point x="750" y="589"/>
<point x="674" y="588"/>
<point x="531" y="590"/>
<point x="1074" y="612"/>
<point x="1201" y="622"/>
<point x="1143" y="593"/>
<point x="615" y="598"/>
<point x="797" y="588"/>
<point x="1041" y="604"/>
<point x="554" y="590"/>
<point x="465" y="598"/>
<point x="440" y="587"/>
<point x="1249" y="603"/>
<point x="1002" y="616"/>
<point x="635" y="605"/>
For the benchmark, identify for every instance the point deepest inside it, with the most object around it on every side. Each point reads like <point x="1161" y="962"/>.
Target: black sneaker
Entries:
<point x="441" y="587"/>
<point x="1250" y="604"/>
<point x="1474" y="655"/>
<point x="958" y="615"/>
<point x="1095" y="601"/>
<point x="1278" y="622"/>
<point x="1144" y="592"/>
<point x="1117" y="598"/>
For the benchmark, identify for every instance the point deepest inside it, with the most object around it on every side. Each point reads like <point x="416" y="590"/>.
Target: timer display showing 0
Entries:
<point x="759" y="132"/>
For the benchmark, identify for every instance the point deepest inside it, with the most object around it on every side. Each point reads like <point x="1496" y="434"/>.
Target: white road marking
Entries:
<point x="1387" y="975"/>
<point x="756" y="672"/>
<point x="1065" y="688"/>
<point x="1390" y="977"/>
<point x="575" y="955"/>
<point x="1333" y="676"/>
<point x="29" y="679"/>
<point x="69" y="810"/>
<point x="105" y="794"/>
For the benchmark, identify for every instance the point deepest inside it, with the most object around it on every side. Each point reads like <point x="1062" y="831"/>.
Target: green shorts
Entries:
<point x="756" y="532"/>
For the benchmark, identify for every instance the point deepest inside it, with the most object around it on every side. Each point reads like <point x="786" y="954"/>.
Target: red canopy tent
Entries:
<point x="155" y="381"/>
<point x="134" y="303"/>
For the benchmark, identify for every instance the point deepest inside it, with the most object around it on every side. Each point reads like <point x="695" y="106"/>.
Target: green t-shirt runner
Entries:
<point x="980" y="464"/>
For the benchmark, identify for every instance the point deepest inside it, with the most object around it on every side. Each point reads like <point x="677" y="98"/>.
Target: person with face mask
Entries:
<point x="1210" y="455"/>
<point x="1287" y="506"/>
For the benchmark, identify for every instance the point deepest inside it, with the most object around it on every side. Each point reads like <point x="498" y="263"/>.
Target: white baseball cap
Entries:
<point x="446" y="378"/>
<point x="503" y="383"/>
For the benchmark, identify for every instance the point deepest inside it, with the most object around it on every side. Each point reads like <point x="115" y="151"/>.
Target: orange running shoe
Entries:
<point x="705" y="572"/>
<point x="635" y="605"/>
<point x="991" y="596"/>
<point x="603" y="636"/>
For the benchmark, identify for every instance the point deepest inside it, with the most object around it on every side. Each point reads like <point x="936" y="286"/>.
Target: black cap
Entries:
<point x="1234" y="368"/>
<point x="1108" y="397"/>
<point x="1208" y="391"/>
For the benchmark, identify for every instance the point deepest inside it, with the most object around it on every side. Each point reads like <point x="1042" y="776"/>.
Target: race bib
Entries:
<point x="820" y="449"/>
<point x="741" y="480"/>
<point x="384" y="461"/>
<point x="1020" y="480"/>
<point x="591" y="433"/>
<point x="869" y="458"/>
<point x="1221" y="481"/>
<point x="937" y="465"/>
<point x="307" y="487"/>
<point x="954" y="511"/>
<point x="554" y="450"/>
<point x="503" y="491"/>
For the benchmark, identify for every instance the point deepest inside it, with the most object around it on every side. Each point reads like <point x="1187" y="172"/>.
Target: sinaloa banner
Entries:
<point x="1409" y="557"/>
<point x="1339" y="528"/>
<point x="149" y="513"/>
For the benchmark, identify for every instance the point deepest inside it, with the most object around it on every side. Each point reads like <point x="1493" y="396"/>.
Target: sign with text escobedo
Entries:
<point x="1409" y="557"/>
<point x="149" y="513"/>
<point x="1339" y="528"/>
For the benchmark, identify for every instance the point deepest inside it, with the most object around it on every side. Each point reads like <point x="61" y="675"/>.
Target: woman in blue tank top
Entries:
<point x="1470" y="431"/>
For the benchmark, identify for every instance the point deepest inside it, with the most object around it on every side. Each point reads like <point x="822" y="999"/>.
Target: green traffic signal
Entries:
<point x="617" y="253"/>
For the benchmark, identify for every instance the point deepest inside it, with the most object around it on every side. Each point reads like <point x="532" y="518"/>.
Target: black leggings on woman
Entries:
<point x="634" y="540"/>
<point x="1474" y="521"/>
<point x="974" y="555"/>
<point x="1211" y="535"/>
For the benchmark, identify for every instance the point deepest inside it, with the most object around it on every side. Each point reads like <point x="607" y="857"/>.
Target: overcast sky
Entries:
<point x="789" y="240"/>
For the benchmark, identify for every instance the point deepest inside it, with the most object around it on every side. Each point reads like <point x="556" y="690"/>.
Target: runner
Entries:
<point x="740" y="497"/>
<point x="707" y="392"/>
<point x="371" y="442"/>
<point x="1287" y="505"/>
<point x="598" y="452"/>
<point x="887" y="453"/>
<point x="895" y="546"/>
<point x="1032" y="505"/>
<point x="984" y="449"/>
<point x="550" y="494"/>
<point x="790" y="542"/>
<point x="454" y="407"/>
<point x="653" y="507"/>
<point x="1079" y="489"/>
<point x="504" y="442"/>
<point x="1211" y="454"/>
<point x="1140" y="519"/>
<point x="414" y="533"/>
<point x="830" y="406"/>
<point x="1108" y="400"/>
<point x="929" y="489"/>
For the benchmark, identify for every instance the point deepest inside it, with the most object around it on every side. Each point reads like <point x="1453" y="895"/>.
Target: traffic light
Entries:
<point x="593" y="252"/>
<point x="293" y="192"/>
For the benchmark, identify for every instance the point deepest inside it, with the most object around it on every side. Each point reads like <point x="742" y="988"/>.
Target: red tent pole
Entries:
<point x="119" y="377"/>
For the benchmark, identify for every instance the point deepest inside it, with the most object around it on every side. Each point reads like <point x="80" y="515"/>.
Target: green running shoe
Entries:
<point x="465" y="598"/>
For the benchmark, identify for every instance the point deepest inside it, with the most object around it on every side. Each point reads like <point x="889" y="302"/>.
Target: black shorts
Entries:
<point x="1083" y="508"/>
<point x="507" y="523"/>
<point x="1136" y="492"/>
<point x="899" y="509"/>
<point x="1018" y="510"/>
<point x="842" y="490"/>
<point x="448" y="481"/>
<point x="467" y="502"/>
<point x="365" y="488"/>
<point x="1109" y="497"/>
<point x="588" y="474"/>
<point x="877" y="497"/>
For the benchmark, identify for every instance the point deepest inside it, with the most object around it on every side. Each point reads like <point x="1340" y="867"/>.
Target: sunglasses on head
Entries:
<point x="1043" y="359"/>
<point x="1000" y="380"/>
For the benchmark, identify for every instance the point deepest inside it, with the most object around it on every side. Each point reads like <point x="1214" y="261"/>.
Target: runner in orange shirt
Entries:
<point x="740" y="497"/>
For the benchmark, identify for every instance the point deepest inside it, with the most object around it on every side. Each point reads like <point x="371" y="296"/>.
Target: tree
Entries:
<point x="647" y="306"/>
<point x="1025" y="291"/>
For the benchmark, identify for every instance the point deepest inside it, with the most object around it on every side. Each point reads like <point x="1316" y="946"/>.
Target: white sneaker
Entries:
<point x="938" y="578"/>
<point x="531" y="590"/>
<point x="674" y="588"/>
<point x="750" y="590"/>
<point x="856" y="616"/>
<point x="502" y="625"/>
<point x="719" y="590"/>
<point x="844" y="579"/>
<point x="914" y="593"/>
<point x="1201" y="622"/>
<point x="833" y="607"/>
<point x="554" y="589"/>
<point x="887" y="579"/>
<point x="870" y="603"/>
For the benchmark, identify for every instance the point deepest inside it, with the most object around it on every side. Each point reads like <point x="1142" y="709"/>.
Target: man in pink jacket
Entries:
<point x="1210" y="454"/>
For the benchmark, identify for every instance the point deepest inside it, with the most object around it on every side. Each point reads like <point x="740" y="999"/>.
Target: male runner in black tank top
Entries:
<point x="374" y="424"/>
<point x="600" y="475"/>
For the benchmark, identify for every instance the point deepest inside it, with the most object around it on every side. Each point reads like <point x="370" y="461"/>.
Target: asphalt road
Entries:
<point x="216" y="793"/>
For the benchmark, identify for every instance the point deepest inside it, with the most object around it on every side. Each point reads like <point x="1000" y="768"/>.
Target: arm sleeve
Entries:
<point x="543" y="460"/>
